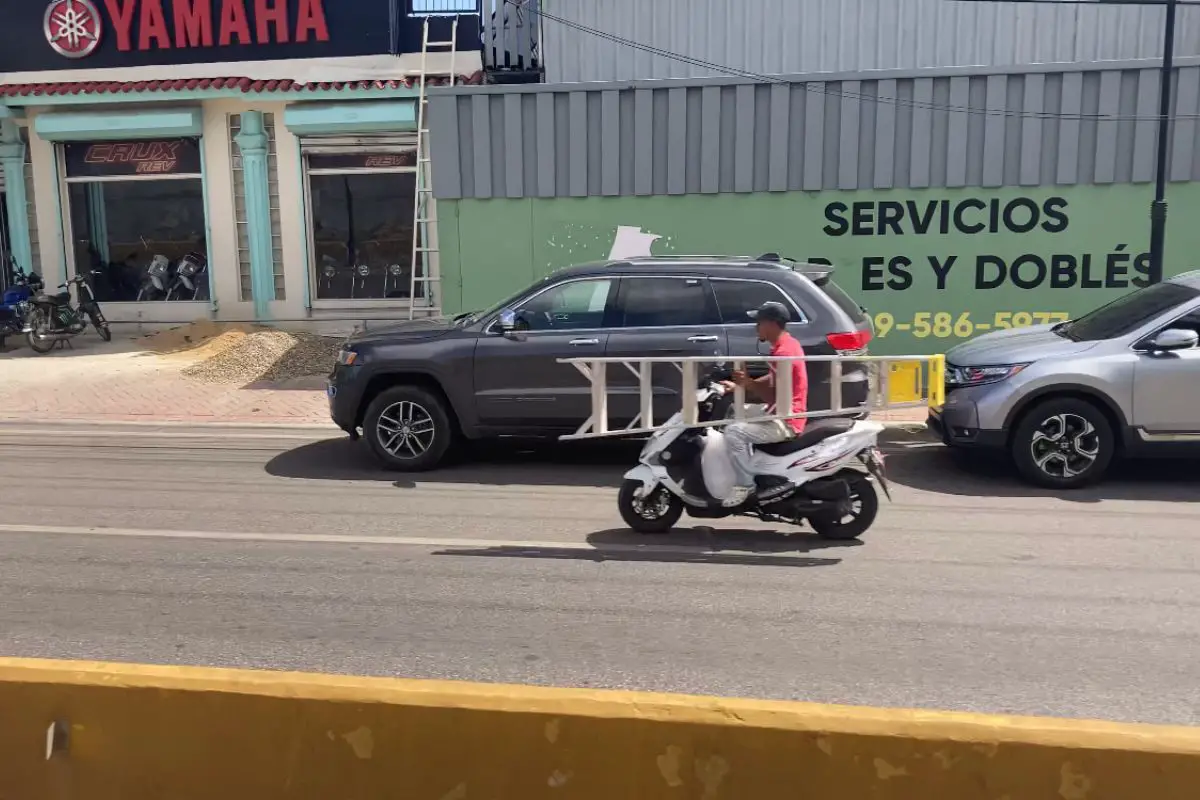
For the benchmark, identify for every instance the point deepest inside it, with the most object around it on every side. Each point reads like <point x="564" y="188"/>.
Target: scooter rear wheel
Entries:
<point x="654" y="514"/>
<point x="854" y="521"/>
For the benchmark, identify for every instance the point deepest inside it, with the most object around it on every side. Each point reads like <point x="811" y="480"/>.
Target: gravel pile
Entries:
<point x="267" y="355"/>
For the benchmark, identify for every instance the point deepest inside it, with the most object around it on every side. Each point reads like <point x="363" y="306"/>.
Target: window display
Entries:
<point x="362" y="225"/>
<point x="138" y="219"/>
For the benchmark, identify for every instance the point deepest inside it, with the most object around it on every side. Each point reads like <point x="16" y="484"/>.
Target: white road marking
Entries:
<point x="318" y="538"/>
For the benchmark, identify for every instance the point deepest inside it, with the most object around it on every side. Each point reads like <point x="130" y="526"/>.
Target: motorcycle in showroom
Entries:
<point x="52" y="320"/>
<point x="158" y="279"/>
<point x="191" y="278"/>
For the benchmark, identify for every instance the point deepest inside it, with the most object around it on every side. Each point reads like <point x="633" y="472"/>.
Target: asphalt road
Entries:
<point x="278" y="550"/>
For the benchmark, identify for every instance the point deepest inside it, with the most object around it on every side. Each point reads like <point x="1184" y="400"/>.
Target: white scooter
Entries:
<point x="825" y="475"/>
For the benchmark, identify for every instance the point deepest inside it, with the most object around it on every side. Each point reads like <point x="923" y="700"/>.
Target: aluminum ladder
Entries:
<point x="425" y="275"/>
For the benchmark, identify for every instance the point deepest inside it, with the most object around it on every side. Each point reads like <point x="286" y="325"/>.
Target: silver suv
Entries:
<point x="1065" y="400"/>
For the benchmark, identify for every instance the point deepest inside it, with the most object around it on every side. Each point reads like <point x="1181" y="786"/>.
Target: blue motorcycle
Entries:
<point x="14" y="304"/>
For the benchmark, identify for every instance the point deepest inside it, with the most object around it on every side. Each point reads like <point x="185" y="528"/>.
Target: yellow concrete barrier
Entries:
<point x="101" y="732"/>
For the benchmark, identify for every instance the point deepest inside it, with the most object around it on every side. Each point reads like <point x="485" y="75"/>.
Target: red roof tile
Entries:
<point x="247" y="85"/>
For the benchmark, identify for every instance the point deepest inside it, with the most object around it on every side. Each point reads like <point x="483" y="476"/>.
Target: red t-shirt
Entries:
<point x="787" y="345"/>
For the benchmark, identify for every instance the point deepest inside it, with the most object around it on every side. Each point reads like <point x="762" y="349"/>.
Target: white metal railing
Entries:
<point x="927" y="372"/>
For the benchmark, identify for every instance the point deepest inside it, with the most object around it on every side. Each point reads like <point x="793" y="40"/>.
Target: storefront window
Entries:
<point x="362" y="225"/>
<point x="137" y="219"/>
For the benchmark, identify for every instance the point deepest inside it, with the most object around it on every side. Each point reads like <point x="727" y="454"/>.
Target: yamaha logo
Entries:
<point x="72" y="27"/>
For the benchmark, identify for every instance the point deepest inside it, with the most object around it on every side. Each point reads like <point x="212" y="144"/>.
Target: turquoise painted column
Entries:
<point x="98" y="220"/>
<point x="12" y="156"/>
<point x="253" y="143"/>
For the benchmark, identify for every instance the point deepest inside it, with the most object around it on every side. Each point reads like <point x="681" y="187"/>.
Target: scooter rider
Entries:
<point x="771" y="320"/>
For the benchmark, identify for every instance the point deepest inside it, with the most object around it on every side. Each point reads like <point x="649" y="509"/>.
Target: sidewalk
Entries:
<point x="122" y="382"/>
<point x="126" y="381"/>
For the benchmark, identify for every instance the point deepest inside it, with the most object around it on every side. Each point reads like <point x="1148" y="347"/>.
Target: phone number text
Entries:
<point x="946" y="325"/>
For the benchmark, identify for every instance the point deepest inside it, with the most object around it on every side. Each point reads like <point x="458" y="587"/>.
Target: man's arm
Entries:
<point x="756" y="388"/>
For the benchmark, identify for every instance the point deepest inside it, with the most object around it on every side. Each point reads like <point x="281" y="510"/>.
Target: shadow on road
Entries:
<point x="918" y="462"/>
<point x="683" y="546"/>
<point x="599" y="464"/>
<point x="915" y="461"/>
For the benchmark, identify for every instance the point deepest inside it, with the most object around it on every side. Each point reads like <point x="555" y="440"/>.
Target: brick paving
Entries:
<point x="112" y="383"/>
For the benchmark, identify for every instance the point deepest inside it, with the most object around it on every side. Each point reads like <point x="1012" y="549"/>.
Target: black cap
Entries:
<point x="771" y="312"/>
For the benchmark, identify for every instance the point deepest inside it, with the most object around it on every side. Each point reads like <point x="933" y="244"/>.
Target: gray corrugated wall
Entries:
<point x="932" y="128"/>
<point x="790" y="37"/>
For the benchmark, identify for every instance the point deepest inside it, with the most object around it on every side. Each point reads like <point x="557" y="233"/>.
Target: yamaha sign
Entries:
<point x="66" y="34"/>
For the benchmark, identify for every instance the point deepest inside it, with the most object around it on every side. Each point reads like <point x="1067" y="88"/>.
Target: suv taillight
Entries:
<point x="846" y="342"/>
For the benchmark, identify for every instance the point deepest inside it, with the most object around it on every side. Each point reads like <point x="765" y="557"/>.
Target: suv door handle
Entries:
<point x="583" y="342"/>
<point x="703" y="338"/>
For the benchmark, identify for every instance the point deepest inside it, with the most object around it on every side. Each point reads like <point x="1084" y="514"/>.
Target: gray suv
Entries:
<point x="1065" y="400"/>
<point x="416" y="388"/>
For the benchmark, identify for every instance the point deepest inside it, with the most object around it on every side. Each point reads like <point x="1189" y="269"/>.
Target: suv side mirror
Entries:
<point x="508" y="325"/>
<point x="1173" y="339"/>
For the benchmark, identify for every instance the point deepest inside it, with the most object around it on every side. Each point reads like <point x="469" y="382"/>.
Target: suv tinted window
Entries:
<point x="666" y="302"/>
<point x="735" y="298"/>
<point x="1128" y="313"/>
<point x="1189" y="323"/>
<point x="574" y="305"/>
<point x="841" y="299"/>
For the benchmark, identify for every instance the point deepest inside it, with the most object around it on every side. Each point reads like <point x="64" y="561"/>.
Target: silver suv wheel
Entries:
<point x="1065" y="445"/>
<point x="1063" y="442"/>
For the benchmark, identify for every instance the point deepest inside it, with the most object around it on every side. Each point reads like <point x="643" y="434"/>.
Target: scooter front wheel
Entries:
<point x="857" y="515"/>
<point x="654" y="513"/>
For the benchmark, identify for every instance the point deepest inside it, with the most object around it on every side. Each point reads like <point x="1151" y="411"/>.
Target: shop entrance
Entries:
<point x="360" y="215"/>
<point x="135" y="212"/>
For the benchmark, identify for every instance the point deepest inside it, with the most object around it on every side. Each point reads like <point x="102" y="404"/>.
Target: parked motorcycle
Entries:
<point x="191" y="279"/>
<point x="158" y="279"/>
<point x="14" y="305"/>
<point x="52" y="318"/>
<point x="824" y="476"/>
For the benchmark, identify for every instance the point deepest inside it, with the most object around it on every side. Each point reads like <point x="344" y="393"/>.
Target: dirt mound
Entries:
<point x="263" y="354"/>
<point x="197" y="341"/>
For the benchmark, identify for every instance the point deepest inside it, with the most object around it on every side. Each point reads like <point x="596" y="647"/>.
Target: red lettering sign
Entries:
<point x="152" y="26"/>
<point x="192" y="23"/>
<point x="150" y="158"/>
<point x="311" y="19"/>
<point x="268" y="14"/>
<point x="121" y="14"/>
<point x="234" y="22"/>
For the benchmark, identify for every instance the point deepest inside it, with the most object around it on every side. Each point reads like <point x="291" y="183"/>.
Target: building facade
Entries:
<point x="274" y="142"/>
<point x="277" y="141"/>
<point x="953" y="201"/>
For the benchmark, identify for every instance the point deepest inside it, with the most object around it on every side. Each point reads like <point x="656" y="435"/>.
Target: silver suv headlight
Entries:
<point x="346" y="357"/>
<point x="959" y="377"/>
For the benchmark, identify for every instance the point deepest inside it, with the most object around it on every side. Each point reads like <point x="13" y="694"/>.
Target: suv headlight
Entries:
<point x="346" y="357"/>
<point x="979" y="376"/>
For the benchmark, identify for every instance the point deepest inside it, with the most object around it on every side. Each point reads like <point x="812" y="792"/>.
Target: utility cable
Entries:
<point x="896" y="101"/>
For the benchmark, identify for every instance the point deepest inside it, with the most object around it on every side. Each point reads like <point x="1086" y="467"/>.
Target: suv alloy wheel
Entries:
<point x="1063" y="443"/>
<point x="408" y="429"/>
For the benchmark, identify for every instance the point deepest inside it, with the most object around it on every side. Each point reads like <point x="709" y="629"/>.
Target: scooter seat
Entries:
<point x="818" y="431"/>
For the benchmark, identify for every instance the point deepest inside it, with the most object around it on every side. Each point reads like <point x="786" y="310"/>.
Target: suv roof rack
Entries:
<point x="765" y="258"/>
